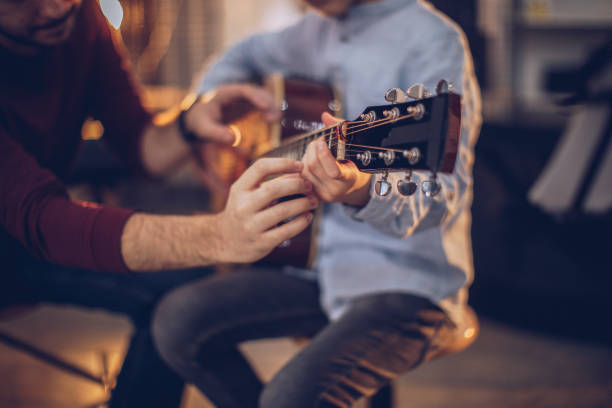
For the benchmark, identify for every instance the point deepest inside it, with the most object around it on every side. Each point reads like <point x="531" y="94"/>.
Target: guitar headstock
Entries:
<point x="421" y="134"/>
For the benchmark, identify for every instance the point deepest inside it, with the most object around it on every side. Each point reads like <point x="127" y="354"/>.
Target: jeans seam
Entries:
<point x="420" y="360"/>
<point x="259" y="318"/>
<point x="428" y="346"/>
<point x="350" y="368"/>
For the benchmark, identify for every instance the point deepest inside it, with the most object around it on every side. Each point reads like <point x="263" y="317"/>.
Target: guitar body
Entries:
<point x="301" y="103"/>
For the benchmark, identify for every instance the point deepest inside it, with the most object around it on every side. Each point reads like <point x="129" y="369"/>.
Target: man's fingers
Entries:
<point x="203" y="120"/>
<point x="217" y="132"/>
<point x="264" y="168"/>
<point x="205" y="117"/>
<point x="288" y="230"/>
<point x="259" y="97"/>
<point x="283" y="211"/>
<point x="278" y="188"/>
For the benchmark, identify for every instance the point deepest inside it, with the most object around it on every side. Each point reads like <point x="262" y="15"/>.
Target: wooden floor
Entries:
<point x="505" y="368"/>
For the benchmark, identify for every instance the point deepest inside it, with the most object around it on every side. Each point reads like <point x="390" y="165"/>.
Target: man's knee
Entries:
<point x="280" y="393"/>
<point x="299" y="384"/>
<point x="177" y="326"/>
<point x="167" y="330"/>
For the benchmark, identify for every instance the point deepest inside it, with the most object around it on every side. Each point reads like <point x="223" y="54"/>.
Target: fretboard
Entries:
<point x="295" y="147"/>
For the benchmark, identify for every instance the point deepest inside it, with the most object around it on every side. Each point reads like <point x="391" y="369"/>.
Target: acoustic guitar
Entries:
<point x="420" y="134"/>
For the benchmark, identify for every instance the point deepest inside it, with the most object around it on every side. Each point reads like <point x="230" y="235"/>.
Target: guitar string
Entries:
<point x="365" y="123"/>
<point x="356" y="151"/>
<point x="369" y="125"/>
<point x="350" y="153"/>
<point x="333" y="129"/>
<point x="351" y="125"/>
<point x="330" y="135"/>
<point x="335" y="144"/>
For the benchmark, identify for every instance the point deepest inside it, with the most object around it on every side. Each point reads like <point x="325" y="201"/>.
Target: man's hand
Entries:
<point x="164" y="150"/>
<point x="245" y="231"/>
<point x="334" y="181"/>
<point x="250" y="225"/>
<point x="205" y="117"/>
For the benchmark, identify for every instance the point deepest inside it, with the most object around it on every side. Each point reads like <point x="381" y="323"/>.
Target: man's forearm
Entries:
<point x="249" y="228"/>
<point x="160" y="242"/>
<point x="163" y="147"/>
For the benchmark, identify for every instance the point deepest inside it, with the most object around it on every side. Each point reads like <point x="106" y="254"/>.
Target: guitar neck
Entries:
<point x="416" y="135"/>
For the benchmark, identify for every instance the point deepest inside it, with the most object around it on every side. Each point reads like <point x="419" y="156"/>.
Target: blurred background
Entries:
<point x="543" y="279"/>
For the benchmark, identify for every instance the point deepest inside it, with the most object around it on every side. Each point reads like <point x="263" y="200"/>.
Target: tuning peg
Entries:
<point x="365" y="157"/>
<point x="418" y="91"/>
<point x="443" y="87"/>
<point x="413" y="155"/>
<point x="407" y="187"/>
<point x="383" y="187"/>
<point x="335" y="105"/>
<point x="368" y="117"/>
<point x="395" y="95"/>
<point x="388" y="156"/>
<point x="431" y="188"/>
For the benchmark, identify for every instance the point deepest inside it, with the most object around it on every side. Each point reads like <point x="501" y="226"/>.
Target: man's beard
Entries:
<point x="28" y="38"/>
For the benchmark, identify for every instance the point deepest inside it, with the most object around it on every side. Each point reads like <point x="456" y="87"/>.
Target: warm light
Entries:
<point x="113" y="11"/>
<point x="468" y="333"/>
<point x="237" y="135"/>
<point x="188" y="100"/>
<point x="92" y="130"/>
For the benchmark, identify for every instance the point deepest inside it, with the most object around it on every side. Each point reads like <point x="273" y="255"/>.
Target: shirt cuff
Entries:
<point x="373" y="206"/>
<point x="83" y="235"/>
<point x="106" y="239"/>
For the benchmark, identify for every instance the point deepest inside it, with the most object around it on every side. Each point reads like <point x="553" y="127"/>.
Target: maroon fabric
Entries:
<point x="43" y="103"/>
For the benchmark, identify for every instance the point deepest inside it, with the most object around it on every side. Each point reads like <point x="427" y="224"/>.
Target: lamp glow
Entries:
<point x="113" y="12"/>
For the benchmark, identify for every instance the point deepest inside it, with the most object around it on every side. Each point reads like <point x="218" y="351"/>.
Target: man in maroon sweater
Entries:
<point x="59" y="65"/>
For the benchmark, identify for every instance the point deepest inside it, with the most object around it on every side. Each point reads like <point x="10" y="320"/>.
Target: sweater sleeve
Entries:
<point x="114" y="95"/>
<point x="36" y="210"/>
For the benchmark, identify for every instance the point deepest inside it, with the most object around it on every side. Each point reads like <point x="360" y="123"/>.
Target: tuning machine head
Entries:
<point x="418" y="91"/>
<point x="382" y="186"/>
<point x="413" y="156"/>
<point x="365" y="157"/>
<point x="443" y="87"/>
<point x="395" y="95"/>
<point x="407" y="187"/>
<point x="431" y="188"/>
